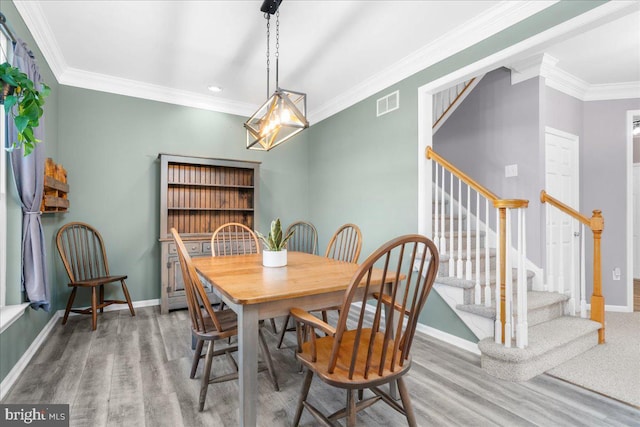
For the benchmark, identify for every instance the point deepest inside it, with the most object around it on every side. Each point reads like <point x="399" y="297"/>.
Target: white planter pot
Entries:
<point x="274" y="258"/>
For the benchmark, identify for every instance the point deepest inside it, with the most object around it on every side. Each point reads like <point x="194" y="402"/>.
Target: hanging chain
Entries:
<point x="267" y="17"/>
<point x="277" y="47"/>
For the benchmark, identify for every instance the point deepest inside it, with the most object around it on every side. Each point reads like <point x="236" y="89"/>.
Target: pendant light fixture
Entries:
<point x="283" y="115"/>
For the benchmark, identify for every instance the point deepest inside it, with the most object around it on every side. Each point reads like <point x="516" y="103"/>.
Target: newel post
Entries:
<point x="597" y="300"/>
<point x="503" y="270"/>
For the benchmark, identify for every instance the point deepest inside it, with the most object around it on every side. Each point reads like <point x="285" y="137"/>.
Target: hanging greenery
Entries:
<point x="23" y="102"/>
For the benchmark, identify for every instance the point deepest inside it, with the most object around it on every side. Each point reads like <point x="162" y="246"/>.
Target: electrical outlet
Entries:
<point x="616" y="273"/>
<point x="510" y="171"/>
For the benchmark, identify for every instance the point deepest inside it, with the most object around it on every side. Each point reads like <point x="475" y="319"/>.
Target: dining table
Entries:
<point x="255" y="292"/>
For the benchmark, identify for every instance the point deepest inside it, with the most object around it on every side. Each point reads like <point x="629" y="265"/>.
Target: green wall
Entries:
<point x="365" y="168"/>
<point x="352" y="167"/>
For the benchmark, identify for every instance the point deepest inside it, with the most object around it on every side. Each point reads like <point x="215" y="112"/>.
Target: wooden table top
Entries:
<point x="244" y="280"/>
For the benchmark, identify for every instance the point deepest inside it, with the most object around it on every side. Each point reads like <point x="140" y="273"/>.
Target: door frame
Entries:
<point x="629" y="122"/>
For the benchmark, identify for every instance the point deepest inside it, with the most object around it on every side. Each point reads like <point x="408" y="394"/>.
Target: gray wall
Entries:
<point x="498" y="125"/>
<point x="563" y="112"/>
<point x="603" y="182"/>
<point x="636" y="149"/>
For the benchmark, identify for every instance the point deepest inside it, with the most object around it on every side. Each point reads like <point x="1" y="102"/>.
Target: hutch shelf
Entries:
<point x="197" y="195"/>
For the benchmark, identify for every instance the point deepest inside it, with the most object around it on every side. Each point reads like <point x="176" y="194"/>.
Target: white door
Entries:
<point x="562" y="182"/>
<point x="636" y="220"/>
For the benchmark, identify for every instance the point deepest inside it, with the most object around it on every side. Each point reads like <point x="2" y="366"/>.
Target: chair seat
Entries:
<point x="97" y="281"/>
<point x="228" y="321"/>
<point x="340" y="375"/>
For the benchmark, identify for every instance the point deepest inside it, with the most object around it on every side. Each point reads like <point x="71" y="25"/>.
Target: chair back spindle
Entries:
<point x="234" y="238"/>
<point x="195" y="293"/>
<point x="304" y="239"/>
<point x="346" y="244"/>
<point x="409" y="265"/>
<point x="82" y="251"/>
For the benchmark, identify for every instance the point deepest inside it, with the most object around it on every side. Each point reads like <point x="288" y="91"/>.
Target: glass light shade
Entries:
<point x="277" y="120"/>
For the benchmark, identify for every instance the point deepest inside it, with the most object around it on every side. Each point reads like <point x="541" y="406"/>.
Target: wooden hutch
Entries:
<point x="197" y="195"/>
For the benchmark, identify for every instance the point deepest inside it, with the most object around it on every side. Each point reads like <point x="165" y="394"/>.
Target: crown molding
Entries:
<point x="545" y="65"/>
<point x="33" y="17"/>
<point x="496" y="19"/>
<point x="104" y="83"/>
<point x="492" y="21"/>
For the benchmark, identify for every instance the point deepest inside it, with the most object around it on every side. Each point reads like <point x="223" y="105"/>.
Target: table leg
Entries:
<point x="248" y="364"/>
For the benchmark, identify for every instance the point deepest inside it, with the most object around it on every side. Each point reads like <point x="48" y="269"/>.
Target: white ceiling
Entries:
<point x="338" y="52"/>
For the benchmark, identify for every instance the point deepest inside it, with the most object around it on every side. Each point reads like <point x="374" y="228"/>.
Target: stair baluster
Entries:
<point x="583" y="279"/>
<point x="467" y="266"/>
<point x="459" y="264"/>
<point x="487" y="270"/>
<point x="443" y="240"/>
<point x="478" y="289"/>
<point x="436" y="223"/>
<point x="596" y="224"/>
<point x="452" y="265"/>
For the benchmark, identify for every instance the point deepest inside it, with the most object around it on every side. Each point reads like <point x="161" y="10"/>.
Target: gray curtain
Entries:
<point x="29" y="176"/>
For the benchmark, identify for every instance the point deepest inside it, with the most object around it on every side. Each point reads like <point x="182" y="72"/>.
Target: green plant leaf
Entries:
<point x="21" y="123"/>
<point x="9" y="102"/>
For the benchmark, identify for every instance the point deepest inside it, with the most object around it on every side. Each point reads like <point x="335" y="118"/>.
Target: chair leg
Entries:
<point x="69" y="304"/>
<point x="351" y="408"/>
<point x="101" y="298"/>
<point x="267" y="358"/>
<point x="273" y="326"/>
<point x="196" y="358"/>
<point x="303" y="397"/>
<point x="127" y="297"/>
<point x="206" y="374"/>
<point x="284" y="329"/>
<point x="406" y="403"/>
<point x="94" y="308"/>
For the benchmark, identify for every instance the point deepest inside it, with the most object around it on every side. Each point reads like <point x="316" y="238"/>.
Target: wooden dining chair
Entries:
<point x="208" y="325"/>
<point x="304" y="239"/>
<point x="345" y="244"/>
<point x="371" y="343"/>
<point x="82" y="251"/>
<point x="234" y="238"/>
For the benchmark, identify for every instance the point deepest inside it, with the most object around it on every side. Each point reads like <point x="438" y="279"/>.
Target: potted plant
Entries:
<point x="274" y="253"/>
<point x="23" y="102"/>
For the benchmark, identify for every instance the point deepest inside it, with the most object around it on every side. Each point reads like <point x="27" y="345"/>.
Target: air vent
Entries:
<point x="388" y="103"/>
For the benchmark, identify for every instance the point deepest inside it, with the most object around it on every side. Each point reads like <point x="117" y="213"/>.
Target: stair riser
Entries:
<point x="447" y="223"/>
<point x="469" y="295"/>
<point x="525" y="371"/>
<point x="544" y="314"/>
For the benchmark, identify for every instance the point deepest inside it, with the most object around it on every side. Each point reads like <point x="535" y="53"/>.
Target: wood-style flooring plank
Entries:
<point x="135" y="371"/>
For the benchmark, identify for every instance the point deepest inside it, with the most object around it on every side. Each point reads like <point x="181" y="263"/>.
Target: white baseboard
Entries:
<point x="615" y="308"/>
<point x="116" y="307"/>
<point x="448" y="338"/>
<point x="22" y="363"/>
<point x="438" y="334"/>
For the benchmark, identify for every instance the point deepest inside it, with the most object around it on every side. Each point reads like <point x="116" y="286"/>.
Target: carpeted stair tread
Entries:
<point x="543" y="338"/>
<point x="535" y="300"/>
<point x="445" y="257"/>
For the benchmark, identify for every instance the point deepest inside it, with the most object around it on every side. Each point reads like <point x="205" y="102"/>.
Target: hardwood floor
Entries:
<point x="135" y="371"/>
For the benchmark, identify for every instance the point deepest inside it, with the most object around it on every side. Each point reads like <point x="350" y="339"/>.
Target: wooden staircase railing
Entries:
<point x="511" y="310"/>
<point x="596" y="224"/>
<point x="445" y="101"/>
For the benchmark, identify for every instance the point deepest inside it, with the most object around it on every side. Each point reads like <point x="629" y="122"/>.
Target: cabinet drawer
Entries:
<point x="206" y="248"/>
<point x="192" y="247"/>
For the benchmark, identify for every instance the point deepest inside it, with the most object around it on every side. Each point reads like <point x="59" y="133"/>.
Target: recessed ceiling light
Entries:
<point x="215" y="89"/>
